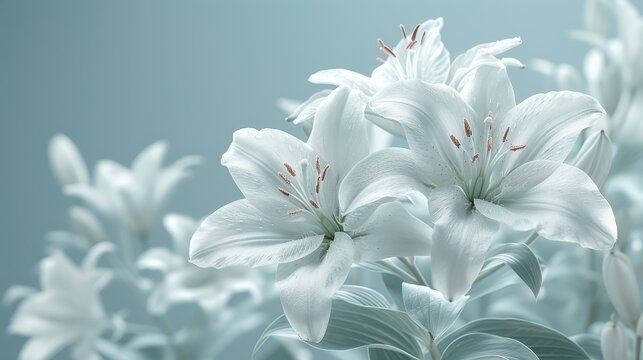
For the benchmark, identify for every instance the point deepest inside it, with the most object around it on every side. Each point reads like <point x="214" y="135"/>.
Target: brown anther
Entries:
<point x="284" y="178"/>
<point x="489" y="144"/>
<point x="291" y="171"/>
<point x="385" y="48"/>
<point x="455" y="141"/>
<point x="403" y="30"/>
<point x="410" y="45"/>
<point x="284" y="192"/>
<point x="318" y="164"/>
<point x="504" y="136"/>
<point x="415" y="32"/>
<point x="467" y="128"/>
<point x="423" y="36"/>
<point x="475" y="157"/>
<point x="295" y="212"/>
<point x="323" y="176"/>
<point x="314" y="203"/>
<point x="318" y="185"/>
<point x="517" y="147"/>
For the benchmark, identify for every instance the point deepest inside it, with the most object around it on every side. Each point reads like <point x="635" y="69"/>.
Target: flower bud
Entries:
<point x="66" y="162"/>
<point x="613" y="341"/>
<point x="621" y="285"/>
<point x="595" y="157"/>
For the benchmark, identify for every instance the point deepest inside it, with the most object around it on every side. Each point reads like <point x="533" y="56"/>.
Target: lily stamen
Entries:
<point x="323" y="176"/>
<point x="290" y="169"/>
<point x="283" y="177"/>
<point x="455" y="141"/>
<point x="385" y="48"/>
<point x="504" y="136"/>
<point x="284" y="192"/>
<point x="517" y="147"/>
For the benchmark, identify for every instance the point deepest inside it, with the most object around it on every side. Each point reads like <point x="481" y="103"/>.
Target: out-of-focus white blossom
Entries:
<point x="67" y="311"/>
<point x="184" y="282"/>
<point x="133" y="196"/>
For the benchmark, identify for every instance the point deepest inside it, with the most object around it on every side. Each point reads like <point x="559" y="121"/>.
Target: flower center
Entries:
<point x="404" y="64"/>
<point x="478" y="163"/>
<point x="304" y="188"/>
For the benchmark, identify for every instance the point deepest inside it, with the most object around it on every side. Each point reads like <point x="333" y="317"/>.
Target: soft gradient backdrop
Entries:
<point x="117" y="75"/>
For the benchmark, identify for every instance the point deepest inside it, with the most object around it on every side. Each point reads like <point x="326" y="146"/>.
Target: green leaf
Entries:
<point x="393" y="285"/>
<point x="591" y="344"/>
<point x="429" y="308"/>
<point x="353" y="326"/>
<point x="364" y="296"/>
<point x="477" y="346"/>
<point x="547" y="343"/>
<point x="383" y="354"/>
<point x="521" y="260"/>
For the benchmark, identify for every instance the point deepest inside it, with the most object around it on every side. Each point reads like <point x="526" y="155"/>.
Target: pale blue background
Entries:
<point x="118" y="75"/>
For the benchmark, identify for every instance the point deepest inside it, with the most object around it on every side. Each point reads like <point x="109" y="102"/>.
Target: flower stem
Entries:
<point x="410" y="264"/>
<point x="433" y="349"/>
<point x="531" y="238"/>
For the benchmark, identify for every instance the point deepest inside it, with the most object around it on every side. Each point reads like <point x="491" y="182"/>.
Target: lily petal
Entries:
<point x="240" y="234"/>
<point x="340" y="134"/>
<point x="558" y="201"/>
<point x="548" y="124"/>
<point x="307" y="286"/>
<point x="384" y="175"/>
<point x="181" y="229"/>
<point x="430" y="59"/>
<point x="429" y="114"/>
<point x="343" y="77"/>
<point x="67" y="162"/>
<point x="391" y="231"/>
<point x="45" y="347"/>
<point x="489" y="91"/>
<point x="255" y="159"/>
<point x="461" y="238"/>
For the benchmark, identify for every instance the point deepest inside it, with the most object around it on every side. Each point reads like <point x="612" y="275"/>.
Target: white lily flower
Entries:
<point x="291" y="214"/>
<point x="133" y="197"/>
<point x="67" y="311"/>
<point x="184" y="282"/>
<point x="66" y="161"/>
<point x="419" y="55"/>
<point x="482" y="160"/>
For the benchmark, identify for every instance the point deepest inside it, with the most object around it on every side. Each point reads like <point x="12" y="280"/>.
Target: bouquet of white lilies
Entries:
<point x="427" y="215"/>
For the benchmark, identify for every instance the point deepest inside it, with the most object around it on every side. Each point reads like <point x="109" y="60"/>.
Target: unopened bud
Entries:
<point x="621" y="285"/>
<point x="595" y="157"/>
<point x="613" y="341"/>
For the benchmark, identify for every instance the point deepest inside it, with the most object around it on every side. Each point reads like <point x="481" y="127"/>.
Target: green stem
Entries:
<point x="531" y="238"/>
<point x="433" y="349"/>
<point x="410" y="264"/>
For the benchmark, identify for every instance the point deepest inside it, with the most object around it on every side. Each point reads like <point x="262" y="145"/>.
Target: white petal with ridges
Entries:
<point x="307" y="286"/>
